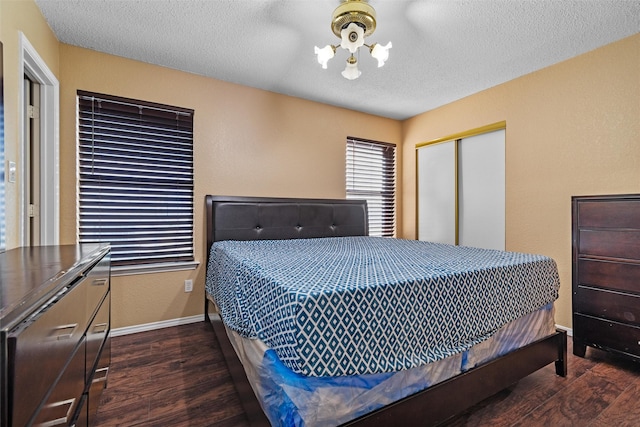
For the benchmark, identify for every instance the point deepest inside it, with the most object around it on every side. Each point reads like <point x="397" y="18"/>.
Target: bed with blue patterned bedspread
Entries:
<point x="363" y="305"/>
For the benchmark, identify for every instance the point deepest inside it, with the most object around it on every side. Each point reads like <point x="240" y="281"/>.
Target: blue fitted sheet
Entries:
<point x="365" y="305"/>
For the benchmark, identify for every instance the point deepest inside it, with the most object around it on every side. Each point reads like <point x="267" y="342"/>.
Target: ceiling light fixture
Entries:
<point x="352" y="21"/>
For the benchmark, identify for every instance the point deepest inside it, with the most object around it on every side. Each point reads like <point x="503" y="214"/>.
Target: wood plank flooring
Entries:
<point x="177" y="377"/>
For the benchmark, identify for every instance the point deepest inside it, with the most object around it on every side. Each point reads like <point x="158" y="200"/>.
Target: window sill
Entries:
<point x="130" y="270"/>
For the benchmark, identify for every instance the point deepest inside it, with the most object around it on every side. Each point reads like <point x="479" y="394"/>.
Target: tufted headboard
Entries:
<point x="259" y="218"/>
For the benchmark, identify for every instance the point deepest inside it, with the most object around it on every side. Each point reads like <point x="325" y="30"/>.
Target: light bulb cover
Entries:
<point x="351" y="71"/>
<point x="381" y="53"/>
<point x="325" y="54"/>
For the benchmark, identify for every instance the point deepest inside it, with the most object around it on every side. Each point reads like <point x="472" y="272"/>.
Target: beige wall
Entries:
<point x="20" y="16"/>
<point x="572" y="129"/>
<point x="246" y="142"/>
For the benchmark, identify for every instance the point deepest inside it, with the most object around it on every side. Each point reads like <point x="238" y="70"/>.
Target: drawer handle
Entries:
<point x="100" y="328"/>
<point x="65" y="331"/>
<point x="101" y="375"/>
<point x="56" y="408"/>
<point x="99" y="282"/>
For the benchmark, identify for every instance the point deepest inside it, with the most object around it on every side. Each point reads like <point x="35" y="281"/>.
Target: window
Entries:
<point x="371" y="176"/>
<point x="136" y="179"/>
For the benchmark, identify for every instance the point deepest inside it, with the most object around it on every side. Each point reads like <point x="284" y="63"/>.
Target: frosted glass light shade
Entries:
<point x="351" y="71"/>
<point x="381" y="53"/>
<point x="325" y="54"/>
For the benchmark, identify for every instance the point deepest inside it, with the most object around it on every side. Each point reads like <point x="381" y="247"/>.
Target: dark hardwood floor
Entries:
<point x="177" y="377"/>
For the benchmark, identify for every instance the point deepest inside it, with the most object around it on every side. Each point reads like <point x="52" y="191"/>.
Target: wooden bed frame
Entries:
<point x="250" y="218"/>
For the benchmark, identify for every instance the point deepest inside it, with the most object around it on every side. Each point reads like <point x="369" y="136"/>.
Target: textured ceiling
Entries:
<point x="443" y="50"/>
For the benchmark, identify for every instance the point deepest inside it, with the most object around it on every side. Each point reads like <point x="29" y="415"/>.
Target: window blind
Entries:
<point x="135" y="178"/>
<point x="371" y="175"/>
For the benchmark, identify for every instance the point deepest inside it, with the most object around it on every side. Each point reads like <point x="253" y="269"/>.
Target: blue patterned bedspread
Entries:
<point x="361" y="305"/>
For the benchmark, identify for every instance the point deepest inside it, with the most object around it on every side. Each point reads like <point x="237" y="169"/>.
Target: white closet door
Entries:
<point x="481" y="190"/>
<point x="437" y="192"/>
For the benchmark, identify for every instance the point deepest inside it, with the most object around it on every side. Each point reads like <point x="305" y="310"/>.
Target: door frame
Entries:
<point x="32" y="65"/>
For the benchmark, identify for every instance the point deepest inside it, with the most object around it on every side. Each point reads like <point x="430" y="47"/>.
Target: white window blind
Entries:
<point x="136" y="178"/>
<point x="371" y="176"/>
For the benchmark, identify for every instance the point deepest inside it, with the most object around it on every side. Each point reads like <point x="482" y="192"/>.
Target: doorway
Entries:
<point x="38" y="166"/>
<point x="32" y="160"/>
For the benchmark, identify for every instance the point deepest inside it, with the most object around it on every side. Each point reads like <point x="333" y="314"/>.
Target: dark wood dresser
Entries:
<point x="606" y="274"/>
<point x="55" y="317"/>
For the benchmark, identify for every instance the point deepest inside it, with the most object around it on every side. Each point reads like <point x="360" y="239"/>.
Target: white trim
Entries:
<point x="564" y="328"/>
<point x="130" y="270"/>
<point x="34" y="66"/>
<point x="126" y="330"/>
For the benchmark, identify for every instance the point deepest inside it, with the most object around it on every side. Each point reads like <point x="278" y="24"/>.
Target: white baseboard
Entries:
<point x="564" y="328"/>
<point x="156" y="325"/>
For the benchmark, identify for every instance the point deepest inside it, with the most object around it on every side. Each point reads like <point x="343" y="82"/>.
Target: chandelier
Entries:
<point x="352" y="21"/>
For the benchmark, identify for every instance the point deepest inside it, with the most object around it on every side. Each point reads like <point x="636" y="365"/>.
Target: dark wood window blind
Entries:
<point x="135" y="178"/>
<point x="371" y="175"/>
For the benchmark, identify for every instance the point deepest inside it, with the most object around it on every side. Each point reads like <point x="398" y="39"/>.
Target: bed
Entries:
<point x="393" y="378"/>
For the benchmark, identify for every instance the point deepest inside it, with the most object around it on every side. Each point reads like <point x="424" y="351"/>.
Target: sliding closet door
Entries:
<point x="437" y="192"/>
<point x="481" y="188"/>
<point x="461" y="188"/>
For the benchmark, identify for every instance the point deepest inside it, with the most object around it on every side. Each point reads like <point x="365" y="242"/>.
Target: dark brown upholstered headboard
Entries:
<point x="259" y="218"/>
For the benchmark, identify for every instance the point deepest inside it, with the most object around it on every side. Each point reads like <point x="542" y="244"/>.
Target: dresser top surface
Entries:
<point x="29" y="276"/>
<point x="607" y="197"/>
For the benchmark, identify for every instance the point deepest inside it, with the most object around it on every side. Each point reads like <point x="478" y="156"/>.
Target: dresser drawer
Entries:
<point x="608" y="335"/>
<point x="99" y="381"/>
<point x="97" y="282"/>
<point x="60" y="407"/>
<point x="42" y="346"/>
<point x="617" y="213"/>
<point x="97" y="333"/>
<point x="82" y="420"/>
<point x="610" y="243"/>
<point x="624" y="308"/>
<point x="608" y="274"/>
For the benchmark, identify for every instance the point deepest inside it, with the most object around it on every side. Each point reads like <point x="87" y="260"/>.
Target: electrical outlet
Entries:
<point x="12" y="171"/>
<point x="188" y="285"/>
